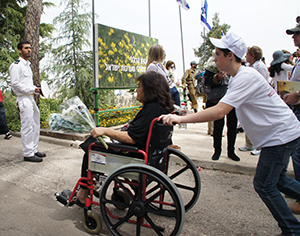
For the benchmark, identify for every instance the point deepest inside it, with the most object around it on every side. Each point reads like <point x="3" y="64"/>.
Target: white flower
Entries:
<point x="210" y="65"/>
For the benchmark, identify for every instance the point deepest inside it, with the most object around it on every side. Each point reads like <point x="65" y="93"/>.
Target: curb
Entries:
<point x="245" y="168"/>
<point x="58" y="141"/>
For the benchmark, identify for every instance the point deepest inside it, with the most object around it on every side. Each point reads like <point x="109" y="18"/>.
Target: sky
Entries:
<point x="259" y="22"/>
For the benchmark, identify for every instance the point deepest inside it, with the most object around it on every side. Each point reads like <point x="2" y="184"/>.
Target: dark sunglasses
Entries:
<point x="172" y="67"/>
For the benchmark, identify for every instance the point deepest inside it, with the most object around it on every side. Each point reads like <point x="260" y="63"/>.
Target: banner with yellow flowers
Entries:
<point x="122" y="56"/>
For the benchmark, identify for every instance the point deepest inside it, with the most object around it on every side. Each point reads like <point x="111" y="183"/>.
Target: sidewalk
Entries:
<point x="198" y="146"/>
<point x="194" y="142"/>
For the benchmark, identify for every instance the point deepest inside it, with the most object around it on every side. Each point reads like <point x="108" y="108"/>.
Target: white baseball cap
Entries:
<point x="232" y="42"/>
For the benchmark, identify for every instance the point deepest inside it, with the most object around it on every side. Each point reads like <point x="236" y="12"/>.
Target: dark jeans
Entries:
<point x="231" y="123"/>
<point x="271" y="179"/>
<point x="3" y="125"/>
<point x="296" y="154"/>
<point x="175" y="95"/>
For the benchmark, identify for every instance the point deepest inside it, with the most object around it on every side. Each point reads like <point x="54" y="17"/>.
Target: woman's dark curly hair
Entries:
<point x="156" y="89"/>
<point x="275" y="68"/>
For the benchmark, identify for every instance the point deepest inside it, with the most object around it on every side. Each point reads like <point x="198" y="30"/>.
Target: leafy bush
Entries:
<point x="46" y="106"/>
<point x="117" y="116"/>
<point x="51" y="105"/>
<point x="11" y="111"/>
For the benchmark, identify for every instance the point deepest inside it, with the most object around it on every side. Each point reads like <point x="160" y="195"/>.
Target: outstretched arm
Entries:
<point x="213" y="113"/>
<point x="118" y="135"/>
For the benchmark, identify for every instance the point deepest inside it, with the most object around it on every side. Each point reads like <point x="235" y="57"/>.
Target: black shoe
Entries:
<point x="8" y="135"/>
<point x="33" y="159"/>
<point x="216" y="155"/>
<point x="239" y="130"/>
<point x="233" y="157"/>
<point x="40" y="154"/>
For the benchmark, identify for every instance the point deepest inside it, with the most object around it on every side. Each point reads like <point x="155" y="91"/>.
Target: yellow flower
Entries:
<point x="110" y="53"/>
<point x="110" y="79"/>
<point x="110" y="32"/>
<point x="113" y="45"/>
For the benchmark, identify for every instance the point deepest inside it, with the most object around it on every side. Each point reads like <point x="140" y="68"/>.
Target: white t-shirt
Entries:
<point x="283" y="75"/>
<point x="262" y="69"/>
<point x="158" y="68"/>
<point x="296" y="72"/>
<point x="267" y="120"/>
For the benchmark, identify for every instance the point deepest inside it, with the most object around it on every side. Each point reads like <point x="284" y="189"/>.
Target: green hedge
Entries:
<point x="46" y="106"/>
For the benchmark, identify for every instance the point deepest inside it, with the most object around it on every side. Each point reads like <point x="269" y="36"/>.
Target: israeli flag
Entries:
<point x="183" y="4"/>
<point x="204" y="14"/>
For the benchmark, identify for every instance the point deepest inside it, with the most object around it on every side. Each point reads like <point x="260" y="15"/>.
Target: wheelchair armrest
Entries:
<point x="120" y="146"/>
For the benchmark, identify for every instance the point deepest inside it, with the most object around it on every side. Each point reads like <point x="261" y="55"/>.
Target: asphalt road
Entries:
<point x="228" y="204"/>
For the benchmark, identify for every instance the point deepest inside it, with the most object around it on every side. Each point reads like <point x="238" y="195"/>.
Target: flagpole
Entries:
<point x="95" y="65"/>
<point x="204" y="36"/>
<point x="149" y="14"/>
<point x="182" y="49"/>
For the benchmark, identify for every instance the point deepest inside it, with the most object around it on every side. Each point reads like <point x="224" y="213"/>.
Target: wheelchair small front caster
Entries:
<point x="91" y="222"/>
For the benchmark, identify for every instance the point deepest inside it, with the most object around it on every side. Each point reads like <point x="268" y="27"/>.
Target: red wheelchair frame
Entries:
<point x="137" y="200"/>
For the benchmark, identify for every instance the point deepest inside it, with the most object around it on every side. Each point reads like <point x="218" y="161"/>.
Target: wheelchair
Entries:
<point x="140" y="192"/>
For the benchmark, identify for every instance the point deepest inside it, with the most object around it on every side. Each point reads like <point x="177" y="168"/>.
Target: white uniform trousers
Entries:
<point x="30" y="124"/>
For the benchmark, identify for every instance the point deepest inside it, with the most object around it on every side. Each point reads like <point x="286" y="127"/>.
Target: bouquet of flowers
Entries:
<point x="74" y="117"/>
<point x="210" y="65"/>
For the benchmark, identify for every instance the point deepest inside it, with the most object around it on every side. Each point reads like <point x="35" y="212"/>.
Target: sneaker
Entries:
<point x="8" y="135"/>
<point x="245" y="148"/>
<point x="255" y="152"/>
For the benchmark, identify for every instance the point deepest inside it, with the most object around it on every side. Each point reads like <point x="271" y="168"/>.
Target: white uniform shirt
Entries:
<point x="283" y="75"/>
<point x="262" y="69"/>
<point x="296" y="72"/>
<point x="158" y="68"/>
<point x="267" y="120"/>
<point x="21" y="78"/>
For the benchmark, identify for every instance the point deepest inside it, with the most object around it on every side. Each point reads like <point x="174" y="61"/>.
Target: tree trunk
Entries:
<point x="32" y="34"/>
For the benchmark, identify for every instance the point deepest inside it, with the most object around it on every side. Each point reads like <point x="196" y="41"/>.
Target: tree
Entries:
<point x="31" y="33"/>
<point x="12" y="25"/>
<point x="11" y="29"/>
<point x="71" y="65"/>
<point x="204" y="52"/>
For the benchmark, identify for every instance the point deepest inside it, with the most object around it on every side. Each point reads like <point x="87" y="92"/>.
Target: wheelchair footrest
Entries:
<point x="64" y="197"/>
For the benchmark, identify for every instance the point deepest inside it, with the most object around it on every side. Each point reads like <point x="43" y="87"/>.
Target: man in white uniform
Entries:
<point x="22" y="84"/>
<point x="269" y="123"/>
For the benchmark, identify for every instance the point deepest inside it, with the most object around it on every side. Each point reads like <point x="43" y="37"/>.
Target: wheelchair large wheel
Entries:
<point x="185" y="176"/>
<point x="92" y="223"/>
<point x="144" y="186"/>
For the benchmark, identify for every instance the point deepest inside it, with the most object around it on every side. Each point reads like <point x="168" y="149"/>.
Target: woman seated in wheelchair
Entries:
<point x="154" y="93"/>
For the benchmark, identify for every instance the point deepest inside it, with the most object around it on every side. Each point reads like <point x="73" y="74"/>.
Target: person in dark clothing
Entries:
<point x="3" y="124"/>
<point x="154" y="93"/>
<point x="218" y="83"/>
